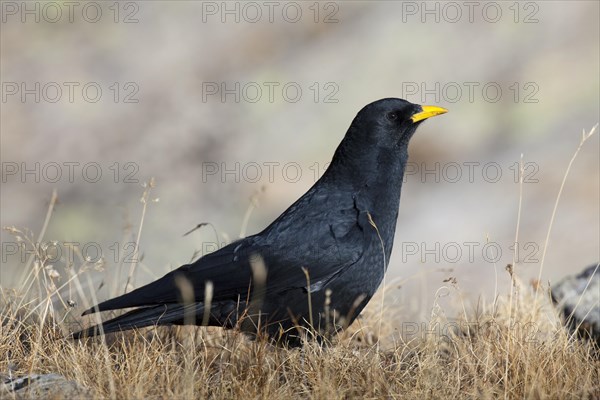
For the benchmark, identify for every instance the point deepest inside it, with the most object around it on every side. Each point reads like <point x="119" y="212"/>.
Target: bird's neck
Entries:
<point x="376" y="172"/>
<point x="375" y="176"/>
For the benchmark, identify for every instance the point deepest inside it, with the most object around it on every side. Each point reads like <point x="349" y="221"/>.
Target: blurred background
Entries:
<point x="235" y="108"/>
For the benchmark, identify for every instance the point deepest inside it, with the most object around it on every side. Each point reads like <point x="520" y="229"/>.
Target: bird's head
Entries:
<point x="390" y="123"/>
<point x="379" y="135"/>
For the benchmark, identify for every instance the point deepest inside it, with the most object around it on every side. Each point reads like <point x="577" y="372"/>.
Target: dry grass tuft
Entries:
<point x="515" y="348"/>
<point x="501" y="353"/>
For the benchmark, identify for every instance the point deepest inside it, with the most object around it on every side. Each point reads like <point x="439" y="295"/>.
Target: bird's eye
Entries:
<point x="392" y="116"/>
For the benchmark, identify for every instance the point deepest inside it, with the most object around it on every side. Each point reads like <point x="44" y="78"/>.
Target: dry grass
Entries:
<point x="515" y="348"/>
<point x="541" y="361"/>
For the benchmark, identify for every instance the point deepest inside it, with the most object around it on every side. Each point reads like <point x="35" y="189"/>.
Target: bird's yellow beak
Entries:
<point x="428" y="112"/>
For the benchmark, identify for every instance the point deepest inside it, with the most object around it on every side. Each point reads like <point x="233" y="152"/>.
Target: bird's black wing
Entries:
<point x="322" y="234"/>
<point x="228" y="271"/>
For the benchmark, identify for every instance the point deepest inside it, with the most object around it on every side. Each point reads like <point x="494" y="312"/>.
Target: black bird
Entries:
<point x="317" y="265"/>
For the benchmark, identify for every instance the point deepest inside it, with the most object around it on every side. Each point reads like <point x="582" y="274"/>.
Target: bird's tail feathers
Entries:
<point x="165" y="314"/>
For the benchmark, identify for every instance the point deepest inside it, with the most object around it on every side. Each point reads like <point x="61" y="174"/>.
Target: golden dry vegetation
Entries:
<point x="515" y="347"/>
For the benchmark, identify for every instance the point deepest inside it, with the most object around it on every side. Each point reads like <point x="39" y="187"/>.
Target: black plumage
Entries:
<point x="330" y="249"/>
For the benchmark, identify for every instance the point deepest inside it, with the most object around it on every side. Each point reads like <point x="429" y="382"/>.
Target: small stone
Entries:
<point x="578" y="299"/>
<point x="45" y="386"/>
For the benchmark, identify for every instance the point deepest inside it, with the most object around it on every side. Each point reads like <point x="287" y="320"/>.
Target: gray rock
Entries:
<point x="578" y="298"/>
<point x="46" y="386"/>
